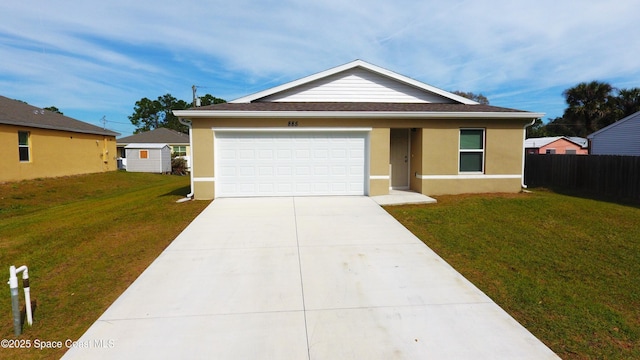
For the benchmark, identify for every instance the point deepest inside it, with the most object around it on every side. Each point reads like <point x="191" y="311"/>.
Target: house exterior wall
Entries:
<point x="503" y="157"/>
<point x="55" y="153"/>
<point x="619" y="138"/>
<point x="379" y="148"/>
<point x="158" y="160"/>
<point x="434" y="152"/>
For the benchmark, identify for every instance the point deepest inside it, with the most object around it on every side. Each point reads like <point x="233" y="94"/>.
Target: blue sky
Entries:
<point x="93" y="59"/>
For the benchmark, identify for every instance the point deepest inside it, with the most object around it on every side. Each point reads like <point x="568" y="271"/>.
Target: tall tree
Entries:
<point x="54" y="109"/>
<point x="627" y="102"/>
<point x="589" y="106"/>
<point x="152" y="114"/>
<point x="472" y="96"/>
<point x="209" y="99"/>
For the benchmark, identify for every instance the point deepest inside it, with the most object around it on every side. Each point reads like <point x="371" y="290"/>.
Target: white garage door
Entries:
<point x="290" y="163"/>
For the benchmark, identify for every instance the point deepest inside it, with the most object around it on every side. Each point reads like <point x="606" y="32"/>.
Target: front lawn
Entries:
<point x="566" y="268"/>
<point x="85" y="239"/>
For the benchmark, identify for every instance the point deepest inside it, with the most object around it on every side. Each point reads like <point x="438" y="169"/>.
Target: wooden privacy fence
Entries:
<point x="607" y="176"/>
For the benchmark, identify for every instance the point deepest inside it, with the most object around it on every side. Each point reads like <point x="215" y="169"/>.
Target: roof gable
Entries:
<point x="18" y="113"/>
<point x="544" y="141"/>
<point x="357" y="81"/>
<point x="156" y="136"/>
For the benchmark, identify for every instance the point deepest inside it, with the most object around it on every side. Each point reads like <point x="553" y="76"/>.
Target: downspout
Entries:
<point x="524" y="154"/>
<point x="188" y="124"/>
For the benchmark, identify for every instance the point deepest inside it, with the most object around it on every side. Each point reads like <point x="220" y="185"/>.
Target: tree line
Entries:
<point x="152" y="114"/>
<point x="590" y="107"/>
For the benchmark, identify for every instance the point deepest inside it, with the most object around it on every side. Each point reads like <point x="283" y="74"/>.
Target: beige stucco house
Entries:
<point x="37" y="143"/>
<point x="356" y="129"/>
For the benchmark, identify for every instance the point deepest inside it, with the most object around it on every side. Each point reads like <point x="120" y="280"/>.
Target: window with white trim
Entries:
<point x="23" y="146"/>
<point x="180" y="150"/>
<point x="471" y="151"/>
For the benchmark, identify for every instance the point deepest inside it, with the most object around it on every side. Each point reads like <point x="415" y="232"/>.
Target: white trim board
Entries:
<point x="193" y="114"/>
<point x="379" y="177"/>
<point x="467" y="177"/>
<point x="292" y="129"/>
<point x="204" y="179"/>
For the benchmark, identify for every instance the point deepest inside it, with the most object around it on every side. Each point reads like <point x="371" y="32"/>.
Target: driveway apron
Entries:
<point x="303" y="278"/>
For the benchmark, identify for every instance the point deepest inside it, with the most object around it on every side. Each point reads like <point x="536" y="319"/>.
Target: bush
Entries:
<point x="178" y="166"/>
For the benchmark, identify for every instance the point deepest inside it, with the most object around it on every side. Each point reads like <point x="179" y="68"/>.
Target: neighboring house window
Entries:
<point x="144" y="154"/>
<point x="180" y="150"/>
<point x="551" y="151"/>
<point x="570" y="151"/>
<point x="23" y="146"/>
<point x="472" y="150"/>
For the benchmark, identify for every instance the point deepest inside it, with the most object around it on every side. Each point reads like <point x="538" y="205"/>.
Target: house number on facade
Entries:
<point x="292" y="123"/>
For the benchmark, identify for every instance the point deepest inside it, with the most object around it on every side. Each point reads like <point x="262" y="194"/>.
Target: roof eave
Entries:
<point x="193" y="114"/>
<point x="59" y="128"/>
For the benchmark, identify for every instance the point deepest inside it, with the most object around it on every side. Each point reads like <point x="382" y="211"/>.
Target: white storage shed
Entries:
<point x="153" y="158"/>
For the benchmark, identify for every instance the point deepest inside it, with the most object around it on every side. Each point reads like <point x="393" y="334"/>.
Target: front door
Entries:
<point x="399" y="158"/>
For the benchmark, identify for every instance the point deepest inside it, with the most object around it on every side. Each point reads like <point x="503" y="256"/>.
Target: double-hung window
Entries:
<point x="471" y="151"/>
<point x="180" y="150"/>
<point x="23" y="146"/>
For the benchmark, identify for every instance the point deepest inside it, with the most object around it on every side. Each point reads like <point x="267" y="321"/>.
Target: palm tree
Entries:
<point x="628" y="101"/>
<point x="590" y="104"/>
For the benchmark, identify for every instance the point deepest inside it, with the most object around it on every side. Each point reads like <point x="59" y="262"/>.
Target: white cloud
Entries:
<point x="110" y="54"/>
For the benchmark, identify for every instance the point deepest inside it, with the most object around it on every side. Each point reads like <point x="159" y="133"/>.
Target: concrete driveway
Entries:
<point x="303" y="278"/>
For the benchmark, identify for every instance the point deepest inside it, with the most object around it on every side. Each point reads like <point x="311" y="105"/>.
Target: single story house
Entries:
<point x="37" y="143"/>
<point x="620" y="138"/>
<point x="557" y="145"/>
<point x="177" y="141"/>
<point x="356" y="129"/>
<point x="152" y="158"/>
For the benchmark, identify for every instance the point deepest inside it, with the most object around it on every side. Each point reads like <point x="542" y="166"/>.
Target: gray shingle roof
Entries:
<point x="157" y="136"/>
<point x="353" y="106"/>
<point x="14" y="112"/>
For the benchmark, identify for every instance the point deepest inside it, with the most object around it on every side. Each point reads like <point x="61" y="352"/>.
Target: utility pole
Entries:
<point x="194" y="89"/>
<point x="104" y="122"/>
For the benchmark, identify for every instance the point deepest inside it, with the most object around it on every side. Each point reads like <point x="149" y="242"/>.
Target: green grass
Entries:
<point x="566" y="268"/>
<point x="85" y="239"/>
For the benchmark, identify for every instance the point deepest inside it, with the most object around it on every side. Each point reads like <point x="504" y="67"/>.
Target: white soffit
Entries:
<point x="357" y="114"/>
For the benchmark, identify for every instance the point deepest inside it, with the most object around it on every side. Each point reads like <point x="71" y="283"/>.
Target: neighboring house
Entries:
<point x="620" y="138"/>
<point x="177" y="141"/>
<point x="152" y="158"/>
<point x="356" y="129"/>
<point x="557" y="145"/>
<point x="37" y="143"/>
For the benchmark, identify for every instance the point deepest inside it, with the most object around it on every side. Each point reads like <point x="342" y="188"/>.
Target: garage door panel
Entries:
<point x="290" y="164"/>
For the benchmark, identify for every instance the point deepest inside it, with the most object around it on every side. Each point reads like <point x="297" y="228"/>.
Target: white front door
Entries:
<point x="399" y="158"/>
<point x="289" y="163"/>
